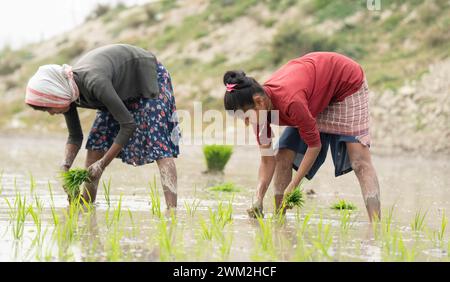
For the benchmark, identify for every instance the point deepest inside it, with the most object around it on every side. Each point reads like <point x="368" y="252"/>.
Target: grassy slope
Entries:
<point x="195" y="41"/>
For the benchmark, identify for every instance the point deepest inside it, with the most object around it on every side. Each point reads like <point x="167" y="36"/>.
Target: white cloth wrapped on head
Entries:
<point x="52" y="86"/>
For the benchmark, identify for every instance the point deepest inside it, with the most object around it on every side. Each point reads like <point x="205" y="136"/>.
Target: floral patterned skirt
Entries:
<point x="157" y="134"/>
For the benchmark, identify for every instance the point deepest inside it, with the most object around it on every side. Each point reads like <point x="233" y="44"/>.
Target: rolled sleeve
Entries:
<point x="305" y="122"/>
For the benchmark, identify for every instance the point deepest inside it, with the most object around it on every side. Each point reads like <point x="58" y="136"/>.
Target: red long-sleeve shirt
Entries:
<point x="305" y="86"/>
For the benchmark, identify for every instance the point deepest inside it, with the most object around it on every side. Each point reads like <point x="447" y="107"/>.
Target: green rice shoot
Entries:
<point x="72" y="180"/>
<point x="343" y="205"/>
<point x="294" y="199"/>
<point x="225" y="187"/>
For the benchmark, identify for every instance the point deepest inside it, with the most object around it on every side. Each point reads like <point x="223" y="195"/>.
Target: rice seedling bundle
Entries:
<point x="217" y="156"/>
<point x="294" y="199"/>
<point x="225" y="187"/>
<point x="72" y="180"/>
<point x="343" y="205"/>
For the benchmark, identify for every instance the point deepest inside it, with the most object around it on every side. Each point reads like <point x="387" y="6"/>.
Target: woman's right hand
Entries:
<point x="64" y="168"/>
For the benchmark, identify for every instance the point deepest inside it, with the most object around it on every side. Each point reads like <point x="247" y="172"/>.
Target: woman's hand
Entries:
<point x="289" y="189"/>
<point x="96" y="169"/>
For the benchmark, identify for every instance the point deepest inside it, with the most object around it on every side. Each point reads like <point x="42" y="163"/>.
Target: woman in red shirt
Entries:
<point x="323" y="98"/>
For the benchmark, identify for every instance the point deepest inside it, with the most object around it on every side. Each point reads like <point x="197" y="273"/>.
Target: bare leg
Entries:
<point x="90" y="192"/>
<point x="168" y="172"/>
<point x="365" y="172"/>
<point x="283" y="174"/>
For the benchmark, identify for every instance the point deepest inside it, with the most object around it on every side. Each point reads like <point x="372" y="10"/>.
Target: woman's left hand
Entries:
<point x="289" y="189"/>
<point x="95" y="170"/>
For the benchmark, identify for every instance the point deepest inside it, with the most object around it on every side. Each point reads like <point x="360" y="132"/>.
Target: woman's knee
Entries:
<point x="361" y="165"/>
<point x="284" y="158"/>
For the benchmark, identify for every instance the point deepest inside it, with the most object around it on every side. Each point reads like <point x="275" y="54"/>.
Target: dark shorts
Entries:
<point x="290" y="139"/>
<point x="157" y="133"/>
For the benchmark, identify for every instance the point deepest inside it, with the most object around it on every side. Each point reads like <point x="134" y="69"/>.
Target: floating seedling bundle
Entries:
<point x="343" y="205"/>
<point x="294" y="199"/>
<point x="72" y="180"/>
<point x="225" y="187"/>
<point x="217" y="156"/>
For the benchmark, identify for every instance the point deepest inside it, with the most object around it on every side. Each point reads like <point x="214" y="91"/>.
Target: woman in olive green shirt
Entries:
<point x="136" y="113"/>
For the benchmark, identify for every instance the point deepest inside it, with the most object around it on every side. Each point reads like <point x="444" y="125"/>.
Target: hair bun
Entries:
<point x="237" y="77"/>
<point x="234" y="77"/>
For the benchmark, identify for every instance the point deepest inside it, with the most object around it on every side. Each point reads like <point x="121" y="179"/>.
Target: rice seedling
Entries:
<point x="32" y="183"/>
<point x="167" y="238"/>
<point x="343" y="205"/>
<point x="18" y="213"/>
<point x="305" y="223"/>
<point x="217" y="156"/>
<point x="192" y="208"/>
<point x="345" y="223"/>
<point x="217" y="221"/>
<point x="294" y="199"/>
<point x="302" y="251"/>
<point x="206" y="231"/>
<point x="225" y="187"/>
<point x="85" y="206"/>
<point x="113" y="249"/>
<point x="38" y="202"/>
<point x="395" y="249"/>
<point x="154" y="198"/>
<point x="405" y="254"/>
<point x="36" y="215"/>
<point x="116" y="214"/>
<point x="134" y="230"/>
<point x="224" y="213"/>
<point x="323" y="239"/>
<point x="279" y="218"/>
<point x="439" y="234"/>
<point x="264" y="240"/>
<point x="419" y="220"/>
<point x="72" y="180"/>
<point x="118" y="210"/>
<point x="106" y="190"/>
<point x="70" y="225"/>
<point x="55" y="216"/>
<point x="38" y="243"/>
<point x="50" y="189"/>
<point x="387" y="220"/>
<point x="225" y="243"/>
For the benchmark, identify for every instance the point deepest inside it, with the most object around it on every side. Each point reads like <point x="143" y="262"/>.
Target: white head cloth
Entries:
<point x="52" y="86"/>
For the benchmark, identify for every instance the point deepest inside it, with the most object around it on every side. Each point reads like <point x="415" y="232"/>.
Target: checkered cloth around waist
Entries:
<point x="348" y="117"/>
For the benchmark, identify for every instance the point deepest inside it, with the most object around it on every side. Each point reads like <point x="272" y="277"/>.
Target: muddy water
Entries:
<point x="408" y="184"/>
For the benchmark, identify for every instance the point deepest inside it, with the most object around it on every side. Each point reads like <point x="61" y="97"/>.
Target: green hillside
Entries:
<point x="199" y="40"/>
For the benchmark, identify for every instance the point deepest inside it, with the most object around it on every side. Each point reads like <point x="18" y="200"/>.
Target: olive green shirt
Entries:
<point x="106" y="78"/>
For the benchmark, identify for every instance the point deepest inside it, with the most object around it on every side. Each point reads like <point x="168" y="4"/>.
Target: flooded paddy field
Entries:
<point x="130" y="223"/>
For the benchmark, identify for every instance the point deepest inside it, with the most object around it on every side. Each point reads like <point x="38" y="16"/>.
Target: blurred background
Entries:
<point x="404" y="48"/>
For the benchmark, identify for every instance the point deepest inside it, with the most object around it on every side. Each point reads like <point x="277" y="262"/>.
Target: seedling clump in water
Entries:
<point x="343" y="205"/>
<point x="294" y="199"/>
<point x="72" y="180"/>
<point x="217" y="156"/>
<point x="225" y="187"/>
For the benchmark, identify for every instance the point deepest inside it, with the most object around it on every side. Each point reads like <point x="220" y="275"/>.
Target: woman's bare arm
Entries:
<point x="266" y="171"/>
<point x="306" y="164"/>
